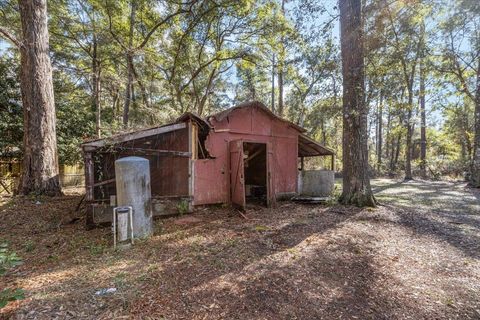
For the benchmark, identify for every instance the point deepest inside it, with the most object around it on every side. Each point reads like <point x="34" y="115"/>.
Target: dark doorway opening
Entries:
<point x="255" y="166"/>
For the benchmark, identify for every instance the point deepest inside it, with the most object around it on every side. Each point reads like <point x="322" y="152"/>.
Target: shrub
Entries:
<point x="8" y="260"/>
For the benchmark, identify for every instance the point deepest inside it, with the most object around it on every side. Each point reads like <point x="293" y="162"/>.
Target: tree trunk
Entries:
<point x="128" y="93"/>
<point x="281" y="61"/>
<point x="397" y="152"/>
<point x="324" y="131"/>
<point x="380" y="132"/>
<point x="280" y="90"/>
<point x="356" y="182"/>
<point x="205" y="96"/>
<point x="408" y="146"/>
<point x="475" y="180"/>
<point x="115" y="105"/>
<point x="40" y="159"/>
<point x="273" y="83"/>
<point x="96" y="88"/>
<point x="388" y="139"/>
<point x="392" y="157"/>
<point x="129" y="57"/>
<point x="423" y="122"/>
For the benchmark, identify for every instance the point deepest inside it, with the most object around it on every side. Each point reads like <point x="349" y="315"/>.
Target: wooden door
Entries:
<point x="237" y="174"/>
<point x="271" y="200"/>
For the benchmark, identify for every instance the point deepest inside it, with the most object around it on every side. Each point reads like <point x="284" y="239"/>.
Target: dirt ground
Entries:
<point x="417" y="256"/>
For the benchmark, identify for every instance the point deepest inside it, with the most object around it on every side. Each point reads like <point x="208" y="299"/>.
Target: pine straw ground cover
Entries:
<point x="414" y="257"/>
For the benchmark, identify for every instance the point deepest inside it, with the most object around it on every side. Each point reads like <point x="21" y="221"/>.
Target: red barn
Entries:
<point x="241" y="154"/>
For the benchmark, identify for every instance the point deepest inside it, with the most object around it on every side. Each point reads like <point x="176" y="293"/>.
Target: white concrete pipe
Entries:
<point x="132" y="175"/>
<point x="316" y="183"/>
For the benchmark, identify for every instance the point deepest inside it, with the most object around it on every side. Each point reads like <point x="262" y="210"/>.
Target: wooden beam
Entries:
<point x="89" y="177"/>
<point x="194" y="137"/>
<point x="253" y="155"/>
<point x="191" y="146"/>
<point x="89" y="181"/>
<point x="101" y="183"/>
<point x="167" y="153"/>
<point x="133" y="136"/>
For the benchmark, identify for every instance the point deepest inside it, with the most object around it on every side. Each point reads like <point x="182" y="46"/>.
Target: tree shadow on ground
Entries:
<point x="190" y="257"/>
<point x="449" y="211"/>
<point x="281" y="264"/>
<point x="311" y="277"/>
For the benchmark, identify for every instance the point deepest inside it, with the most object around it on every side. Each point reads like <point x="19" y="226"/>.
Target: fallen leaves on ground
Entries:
<point x="415" y="256"/>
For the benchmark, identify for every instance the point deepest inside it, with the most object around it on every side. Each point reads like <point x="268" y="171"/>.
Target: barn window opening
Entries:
<point x="201" y="149"/>
<point x="255" y="166"/>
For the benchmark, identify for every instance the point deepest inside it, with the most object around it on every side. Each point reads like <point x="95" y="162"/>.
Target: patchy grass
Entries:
<point x="415" y="256"/>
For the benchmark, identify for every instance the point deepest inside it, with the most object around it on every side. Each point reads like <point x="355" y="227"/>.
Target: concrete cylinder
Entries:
<point x="317" y="183"/>
<point x="132" y="175"/>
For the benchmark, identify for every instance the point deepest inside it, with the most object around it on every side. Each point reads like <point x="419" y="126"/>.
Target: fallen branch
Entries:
<point x="243" y="216"/>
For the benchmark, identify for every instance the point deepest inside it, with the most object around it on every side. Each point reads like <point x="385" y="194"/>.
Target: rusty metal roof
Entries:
<point x="145" y="132"/>
<point x="307" y="147"/>
<point x="195" y="118"/>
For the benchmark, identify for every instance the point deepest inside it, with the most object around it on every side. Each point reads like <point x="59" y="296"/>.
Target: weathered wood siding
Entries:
<point x="212" y="178"/>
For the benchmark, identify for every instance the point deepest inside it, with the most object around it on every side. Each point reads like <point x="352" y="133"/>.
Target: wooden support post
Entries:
<point x="333" y="162"/>
<point x="89" y="185"/>
<point x="191" y="146"/>
<point x="302" y="164"/>
<point x="89" y="178"/>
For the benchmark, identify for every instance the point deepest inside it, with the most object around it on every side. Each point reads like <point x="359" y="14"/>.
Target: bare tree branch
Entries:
<point x="158" y="25"/>
<point x="10" y="37"/>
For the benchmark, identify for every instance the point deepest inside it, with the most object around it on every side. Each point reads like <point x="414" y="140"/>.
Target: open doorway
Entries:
<point x="255" y="166"/>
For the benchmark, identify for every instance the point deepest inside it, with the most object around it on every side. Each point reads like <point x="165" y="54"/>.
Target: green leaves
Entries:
<point x="8" y="260"/>
<point x="7" y="295"/>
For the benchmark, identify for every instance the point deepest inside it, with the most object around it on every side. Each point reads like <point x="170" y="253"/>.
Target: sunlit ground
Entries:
<point x="415" y="256"/>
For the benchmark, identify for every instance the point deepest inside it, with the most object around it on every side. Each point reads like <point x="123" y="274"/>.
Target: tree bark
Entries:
<point x="40" y="159"/>
<point x="475" y="179"/>
<point x="380" y="132"/>
<point x="128" y="92"/>
<point x="206" y="94"/>
<point x="423" y="122"/>
<point x="273" y="83"/>
<point x="388" y="139"/>
<point x="281" y="61"/>
<point x="280" y="90"/>
<point x="129" y="58"/>
<point x="397" y="151"/>
<point x="96" y="87"/>
<point x="356" y="182"/>
<point x="408" y="146"/>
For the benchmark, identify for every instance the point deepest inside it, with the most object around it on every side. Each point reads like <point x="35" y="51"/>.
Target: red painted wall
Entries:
<point x="252" y="124"/>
